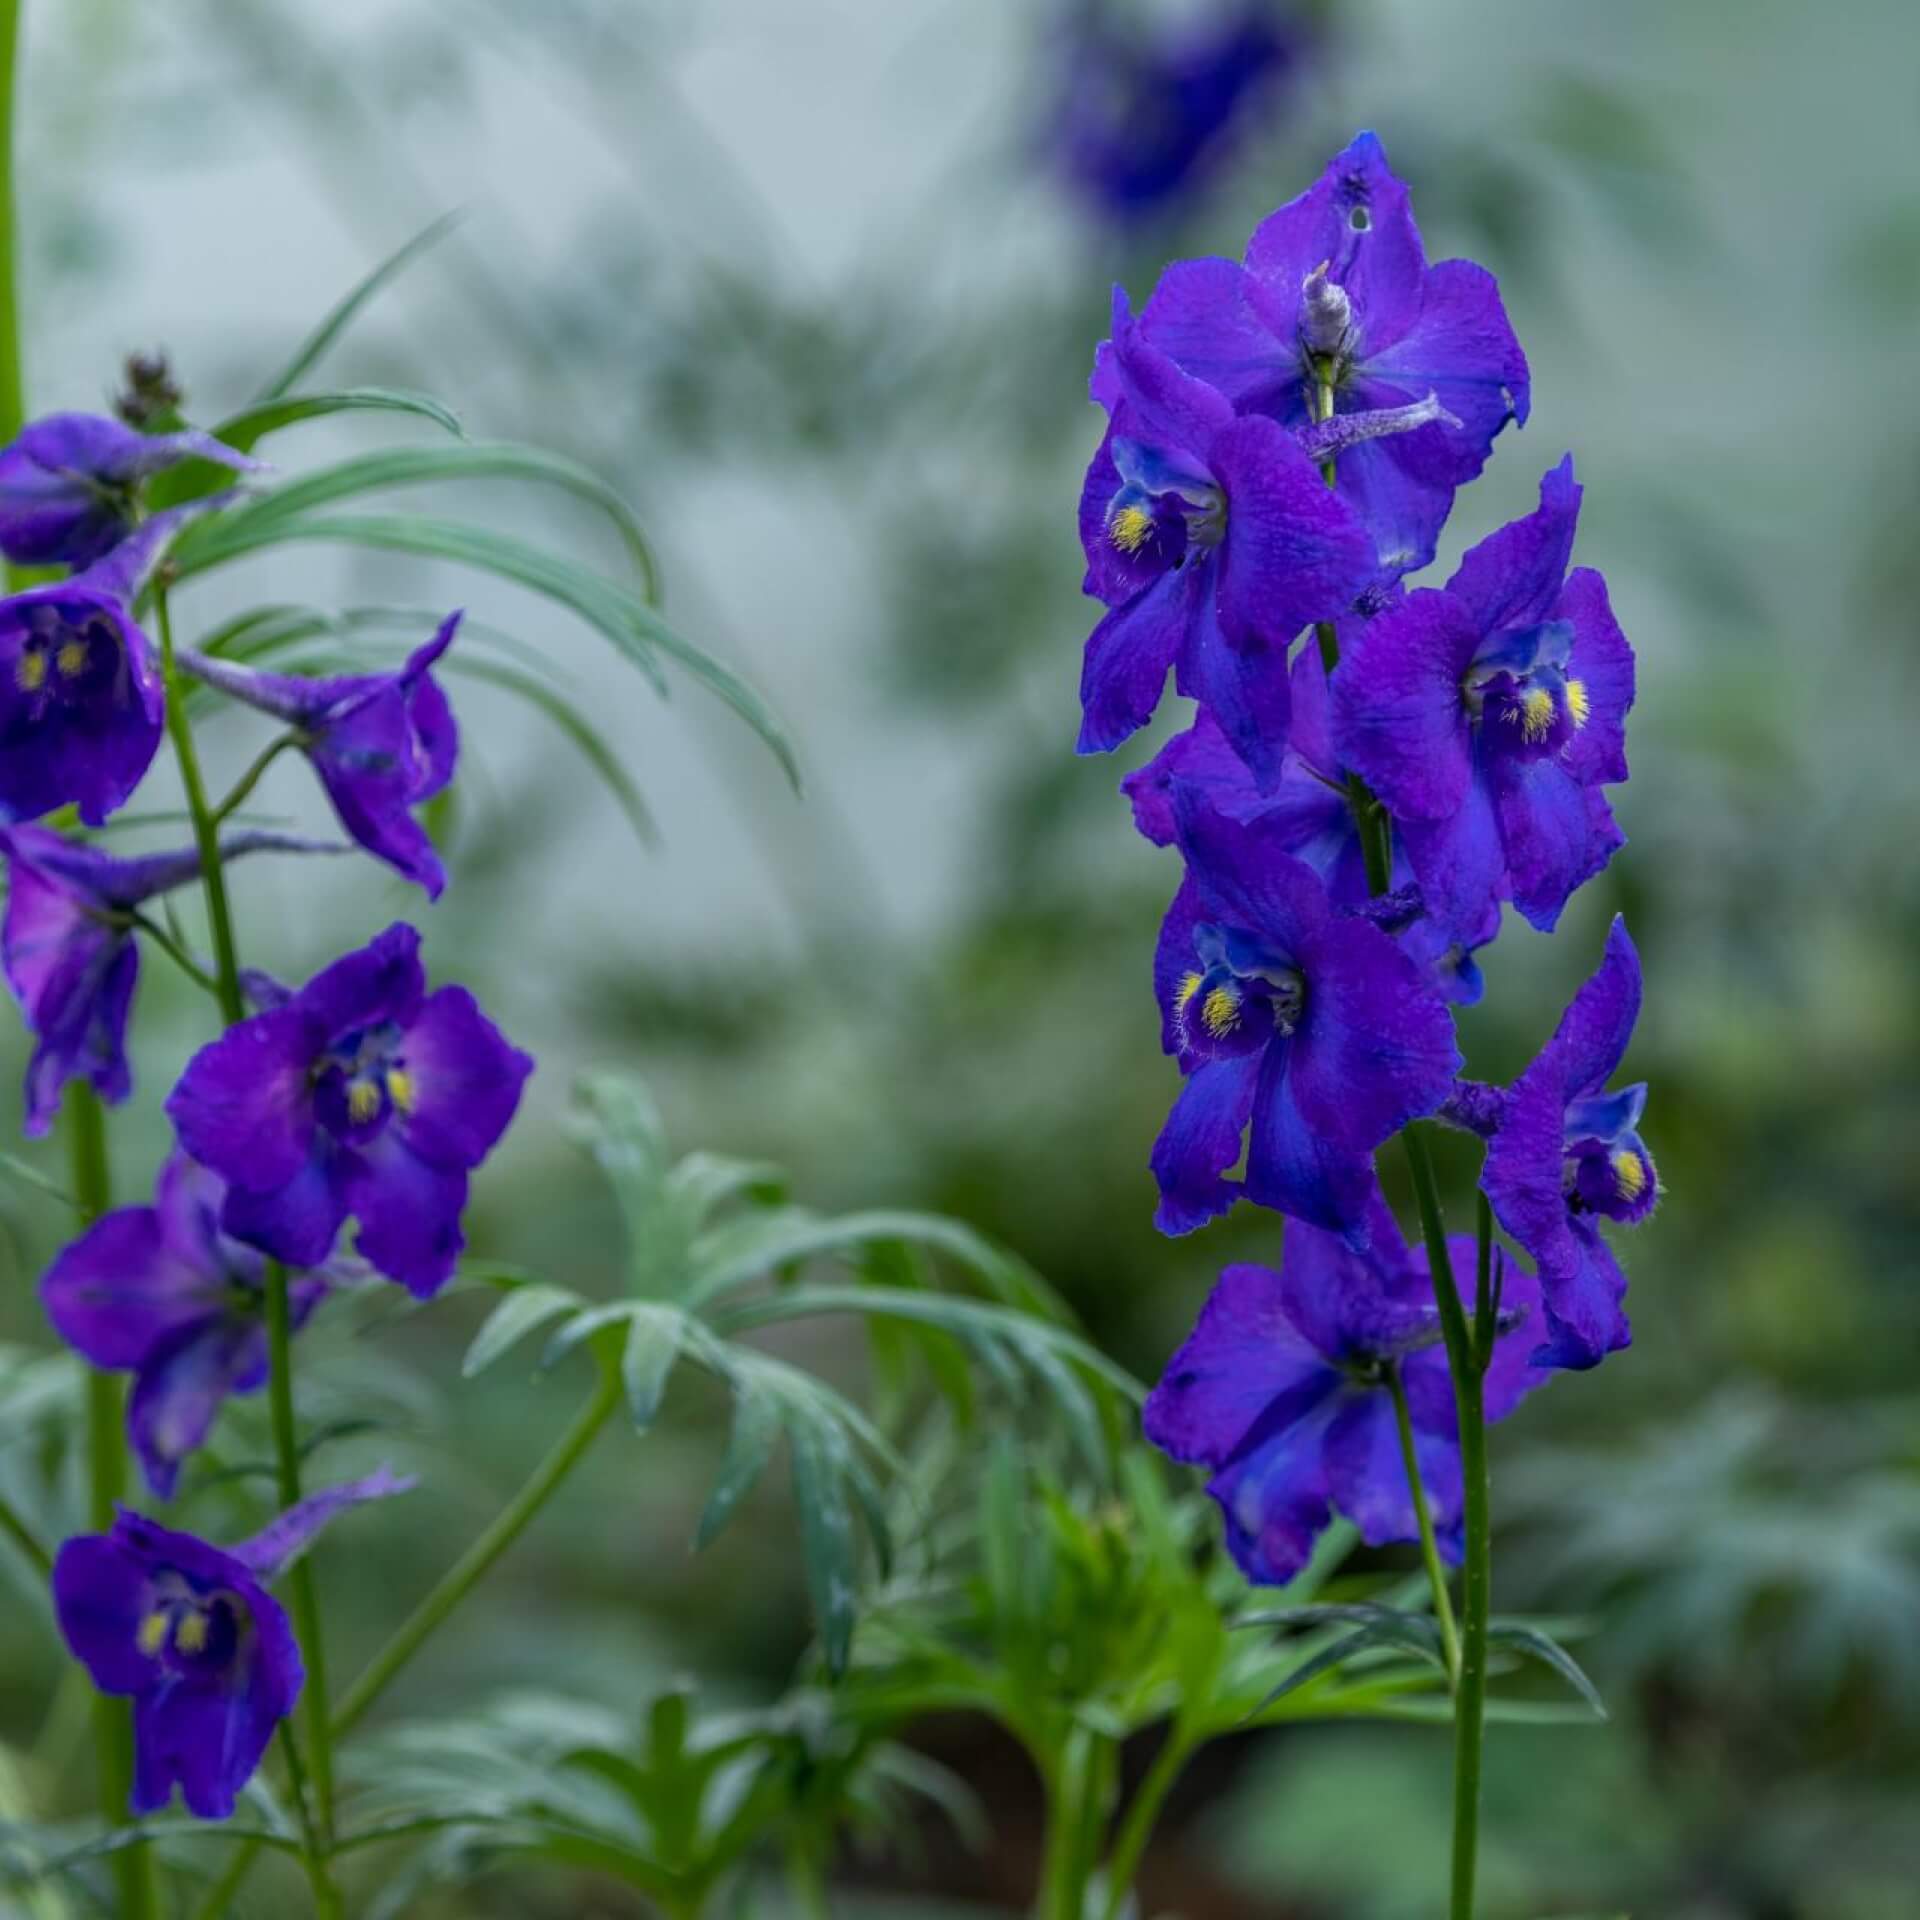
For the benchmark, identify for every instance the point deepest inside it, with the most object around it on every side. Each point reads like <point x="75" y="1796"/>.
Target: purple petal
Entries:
<point x="1461" y="865"/>
<point x="99" y="1598"/>
<point x="409" y="1214"/>
<point x="1355" y="1306"/>
<point x="278" y="1545"/>
<point x="1393" y="494"/>
<point x="1298" y="1168"/>
<point x="1168" y="408"/>
<point x="436" y="736"/>
<point x="1242" y="683"/>
<point x="1400" y="719"/>
<point x="1128" y="655"/>
<point x="1512" y="578"/>
<point x="1275" y="1498"/>
<point x="381" y="981"/>
<point x="1244" y="872"/>
<point x="298" y="1221"/>
<point x="1199" y="758"/>
<point x="1379" y="261"/>
<point x="120" y="1291"/>
<point x="1522" y="1175"/>
<point x="1557" y="834"/>
<point x="1202" y="316"/>
<point x="1512" y="1375"/>
<point x="464" y="1080"/>
<point x="1602" y="661"/>
<point x="1201" y="1140"/>
<point x="1174" y="960"/>
<point x="244" y="1106"/>
<point x="1585" y="1304"/>
<point x="180" y="1388"/>
<point x="1591" y="1039"/>
<point x="1242" y="1355"/>
<point x="369" y="762"/>
<point x="1367" y="1475"/>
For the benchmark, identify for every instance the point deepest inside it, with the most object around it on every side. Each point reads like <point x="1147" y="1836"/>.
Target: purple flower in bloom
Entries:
<point x="1336" y="289"/>
<point x="1144" y="117"/>
<point x="67" y="944"/>
<point x="1488" y="715"/>
<point x="382" y="743"/>
<point x="69" y="486"/>
<point x="362" y="1095"/>
<point x="1214" y="540"/>
<point x="1313" y="820"/>
<point x="162" y="1293"/>
<point x="1566" y="1154"/>
<point x="1309" y="1025"/>
<point x="190" y="1633"/>
<point x="1283" y="1391"/>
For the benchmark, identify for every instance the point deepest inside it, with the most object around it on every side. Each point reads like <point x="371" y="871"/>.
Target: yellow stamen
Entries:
<point x="1129" y="528"/>
<point x="1189" y="986"/>
<point x="190" y="1636"/>
<point x="30" y="671"/>
<point x="1534" y="713"/>
<point x="400" y="1088"/>
<point x="1579" y="706"/>
<point x="1629" y="1173"/>
<point x="363" y="1101"/>
<point x="1220" y="1012"/>
<point x="71" y="659"/>
<point x="153" y="1633"/>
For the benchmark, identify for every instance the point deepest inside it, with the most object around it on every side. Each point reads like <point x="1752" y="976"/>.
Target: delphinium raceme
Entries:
<point x="1285" y="437"/>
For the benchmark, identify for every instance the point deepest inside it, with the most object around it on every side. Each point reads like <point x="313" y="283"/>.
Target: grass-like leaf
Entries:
<point x="1533" y="1644"/>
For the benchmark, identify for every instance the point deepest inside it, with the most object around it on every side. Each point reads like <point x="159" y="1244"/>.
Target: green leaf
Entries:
<point x="31" y="1176"/>
<point x="633" y="627"/>
<point x="245" y="430"/>
<point x="756" y="1426"/>
<point x="576" y="726"/>
<point x="1397" y="1632"/>
<point x="654" y="1335"/>
<point x="826" y="1535"/>
<point x="310" y="350"/>
<point x="515" y="1317"/>
<point x="1532" y="1644"/>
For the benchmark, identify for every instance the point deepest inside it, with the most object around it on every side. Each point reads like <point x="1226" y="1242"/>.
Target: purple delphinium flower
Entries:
<point x="1336" y="286"/>
<point x="70" y="485"/>
<point x="362" y="1095"/>
<point x="189" y="1631"/>
<point x="1283" y="1391"/>
<point x="1488" y="716"/>
<point x="1144" y="117"/>
<point x="382" y="744"/>
<point x="1313" y="820"/>
<point x="1214" y="540"/>
<point x="162" y="1293"/>
<point x="1308" y="1025"/>
<point x="67" y="946"/>
<point x="1566" y="1154"/>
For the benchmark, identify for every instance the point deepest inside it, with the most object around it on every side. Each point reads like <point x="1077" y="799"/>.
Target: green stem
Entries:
<point x="466" y="1573"/>
<point x="1486" y="1311"/>
<point x="1470" y="1695"/>
<point x="23" y="1537"/>
<point x="1143" y="1813"/>
<point x="1423" y="1513"/>
<point x="178" y="954"/>
<point x="12" y="386"/>
<point x="217" y="1902"/>
<point x="251" y="778"/>
<point x="206" y="831"/>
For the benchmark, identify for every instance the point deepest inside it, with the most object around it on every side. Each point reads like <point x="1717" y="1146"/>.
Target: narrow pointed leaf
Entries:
<point x="1366" y="1640"/>
<point x="516" y="1316"/>
<point x="826" y="1536"/>
<point x="245" y="430"/>
<point x="756" y="1426"/>
<point x="653" y="1345"/>
<point x="1532" y="1644"/>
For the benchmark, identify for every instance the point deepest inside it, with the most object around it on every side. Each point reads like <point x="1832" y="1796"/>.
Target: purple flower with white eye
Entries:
<point x="1214" y="540"/>
<point x="1144" y="115"/>
<point x="1566" y="1154"/>
<point x="361" y="1095"/>
<point x="1283" y="1390"/>
<point x="161" y="1292"/>
<point x="67" y="946"/>
<point x="1488" y="716"/>
<point x="1312" y="820"/>
<point x="382" y="744"/>
<point x="1307" y="1026"/>
<point x="1336" y="290"/>
<point x="70" y="485"/>
<point x="190" y="1633"/>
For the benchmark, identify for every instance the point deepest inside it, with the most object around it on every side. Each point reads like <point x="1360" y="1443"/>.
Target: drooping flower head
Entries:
<point x="1489" y="715"/>
<point x="1145" y="114"/>
<point x="1566" y="1154"/>
<point x="1283" y="1391"/>
<point x="1312" y="819"/>
<point x="67" y="946"/>
<point x="1214" y="540"/>
<point x="1304" y="1024"/>
<point x="1336" y="291"/>
<point x="163" y="1293"/>
<point x="81" y="703"/>
<point x="361" y="1095"/>
<point x="382" y="744"/>
<point x="189" y="1631"/>
<point x="70" y="485"/>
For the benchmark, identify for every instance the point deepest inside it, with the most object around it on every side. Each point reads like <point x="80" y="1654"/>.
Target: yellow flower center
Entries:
<point x="400" y="1089"/>
<point x="1220" y="1012"/>
<point x="1129" y="528"/>
<point x="1629" y="1173"/>
<point x="1534" y="714"/>
<point x="30" y="671"/>
<point x="71" y="659"/>
<point x="363" y="1101"/>
<point x="1579" y="706"/>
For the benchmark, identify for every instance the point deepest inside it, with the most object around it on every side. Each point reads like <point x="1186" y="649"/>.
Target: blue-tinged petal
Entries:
<point x="1367" y="1475"/>
<point x="244" y="1106"/>
<point x="409" y="1214"/>
<point x="1591" y="1039"/>
<point x="298" y="1221"/>
<point x="1585" y="1300"/>
<point x="456" y="1080"/>
<point x="1274" y="1498"/>
<point x="181" y="1384"/>
<point x="1600" y="663"/>
<point x="1557" y="834"/>
<point x="275" y="1548"/>
<point x="1246" y="875"/>
<point x="1242" y="683"/>
<point x="1200" y="758"/>
<point x="378" y="982"/>
<point x="1296" y="1167"/>
<point x="99" y="1600"/>
<point x="1461" y="865"/>
<point x="1201" y="1141"/>
<point x="1176" y="966"/>
<point x="120" y="1291"/>
<point x="1128" y="655"/>
<point x="1355" y="1306"/>
<point x="1513" y="576"/>
<point x="1202" y="316"/>
<point x="1171" y="409"/>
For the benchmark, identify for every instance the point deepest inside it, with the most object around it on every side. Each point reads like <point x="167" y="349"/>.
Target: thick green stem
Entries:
<point x="1143" y="1813"/>
<point x="1423" y="1513"/>
<point x="466" y="1573"/>
<point x="1476" y="1581"/>
<point x="1079" y="1790"/>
